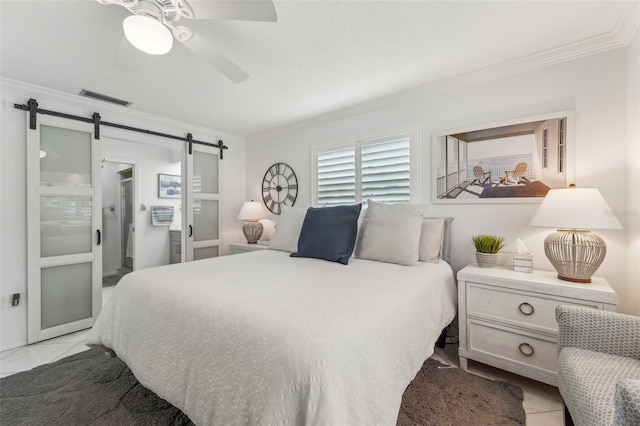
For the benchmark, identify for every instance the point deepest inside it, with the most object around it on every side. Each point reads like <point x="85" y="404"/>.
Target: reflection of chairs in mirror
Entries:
<point x="480" y="176"/>
<point x="513" y="177"/>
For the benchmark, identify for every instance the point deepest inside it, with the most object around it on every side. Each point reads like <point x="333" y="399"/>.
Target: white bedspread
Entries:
<point x="262" y="339"/>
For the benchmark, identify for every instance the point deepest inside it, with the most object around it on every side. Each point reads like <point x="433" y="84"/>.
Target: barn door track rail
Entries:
<point x="32" y="108"/>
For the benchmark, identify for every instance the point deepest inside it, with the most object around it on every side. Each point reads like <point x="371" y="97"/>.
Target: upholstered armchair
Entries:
<point x="599" y="366"/>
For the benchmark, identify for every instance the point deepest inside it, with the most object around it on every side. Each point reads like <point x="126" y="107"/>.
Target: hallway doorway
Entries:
<point x="118" y="257"/>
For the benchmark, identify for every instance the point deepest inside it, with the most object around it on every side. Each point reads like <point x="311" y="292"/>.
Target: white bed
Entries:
<point x="262" y="338"/>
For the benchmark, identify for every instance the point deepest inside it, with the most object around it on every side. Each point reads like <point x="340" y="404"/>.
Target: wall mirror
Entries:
<point x="515" y="161"/>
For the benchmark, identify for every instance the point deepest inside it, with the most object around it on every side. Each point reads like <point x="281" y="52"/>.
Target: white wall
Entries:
<point x="13" y="226"/>
<point x="593" y="86"/>
<point x="632" y="213"/>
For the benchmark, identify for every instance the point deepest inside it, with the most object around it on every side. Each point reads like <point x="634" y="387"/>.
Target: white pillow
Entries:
<point x="288" y="229"/>
<point x="390" y="233"/>
<point x="431" y="237"/>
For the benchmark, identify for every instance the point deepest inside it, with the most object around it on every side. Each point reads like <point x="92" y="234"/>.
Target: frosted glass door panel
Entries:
<point x="205" y="220"/>
<point x="205" y="172"/>
<point x="65" y="157"/>
<point x="65" y="294"/>
<point x="65" y="225"/>
<point x="205" y="253"/>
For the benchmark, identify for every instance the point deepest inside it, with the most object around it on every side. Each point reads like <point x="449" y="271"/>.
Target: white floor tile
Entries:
<point x="538" y="397"/>
<point x="8" y="352"/>
<point x="32" y="356"/>
<point x="550" y="418"/>
<point x="106" y="293"/>
<point x="80" y="347"/>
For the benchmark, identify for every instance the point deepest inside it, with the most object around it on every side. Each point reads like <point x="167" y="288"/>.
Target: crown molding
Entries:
<point x="77" y="102"/>
<point x="618" y="37"/>
<point x="629" y="22"/>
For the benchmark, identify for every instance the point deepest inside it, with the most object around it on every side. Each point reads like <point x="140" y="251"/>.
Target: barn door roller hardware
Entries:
<point x="32" y="107"/>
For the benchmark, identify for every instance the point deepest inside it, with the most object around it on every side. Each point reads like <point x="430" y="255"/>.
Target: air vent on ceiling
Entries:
<point x="101" y="97"/>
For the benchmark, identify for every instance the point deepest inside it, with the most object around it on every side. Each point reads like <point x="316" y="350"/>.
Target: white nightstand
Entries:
<point x="245" y="248"/>
<point x="507" y="319"/>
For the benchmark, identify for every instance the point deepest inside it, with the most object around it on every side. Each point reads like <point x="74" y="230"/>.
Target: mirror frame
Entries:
<point x="569" y="157"/>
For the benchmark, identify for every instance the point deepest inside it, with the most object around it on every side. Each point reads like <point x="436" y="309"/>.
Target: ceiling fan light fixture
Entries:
<point x="147" y="34"/>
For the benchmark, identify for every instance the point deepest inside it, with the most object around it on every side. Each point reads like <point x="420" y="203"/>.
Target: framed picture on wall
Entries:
<point x="515" y="161"/>
<point x="169" y="186"/>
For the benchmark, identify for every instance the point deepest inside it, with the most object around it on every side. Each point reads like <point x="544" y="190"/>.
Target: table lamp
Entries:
<point x="573" y="250"/>
<point x="251" y="211"/>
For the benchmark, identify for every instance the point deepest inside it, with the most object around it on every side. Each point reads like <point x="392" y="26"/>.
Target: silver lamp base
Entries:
<point x="576" y="254"/>
<point x="252" y="231"/>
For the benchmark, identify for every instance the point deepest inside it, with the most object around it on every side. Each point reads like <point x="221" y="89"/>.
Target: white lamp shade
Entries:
<point x="575" y="208"/>
<point x="147" y="34"/>
<point x="251" y="210"/>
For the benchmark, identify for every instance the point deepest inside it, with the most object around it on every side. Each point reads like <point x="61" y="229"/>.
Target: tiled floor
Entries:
<point x="27" y="357"/>
<point x="542" y="403"/>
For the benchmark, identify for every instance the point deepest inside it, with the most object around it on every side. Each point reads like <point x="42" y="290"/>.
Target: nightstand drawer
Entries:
<point x="520" y="308"/>
<point x="525" y="349"/>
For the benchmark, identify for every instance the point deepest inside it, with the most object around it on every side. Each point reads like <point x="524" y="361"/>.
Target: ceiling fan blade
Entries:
<point x="203" y="48"/>
<point x="128" y="57"/>
<point x="235" y="10"/>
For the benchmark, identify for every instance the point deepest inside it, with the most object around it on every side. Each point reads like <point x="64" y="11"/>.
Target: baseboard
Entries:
<point x="13" y="346"/>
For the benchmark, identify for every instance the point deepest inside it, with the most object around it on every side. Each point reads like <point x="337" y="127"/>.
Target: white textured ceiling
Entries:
<point x="319" y="57"/>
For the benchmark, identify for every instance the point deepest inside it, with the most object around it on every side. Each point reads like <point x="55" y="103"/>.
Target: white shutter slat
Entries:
<point x="386" y="171"/>
<point x="336" y="177"/>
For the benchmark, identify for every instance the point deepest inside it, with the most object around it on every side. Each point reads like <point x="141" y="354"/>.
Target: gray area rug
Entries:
<point x="90" y="388"/>
<point x="111" y="280"/>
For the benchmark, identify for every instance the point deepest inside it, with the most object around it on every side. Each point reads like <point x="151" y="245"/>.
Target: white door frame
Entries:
<point x="135" y="197"/>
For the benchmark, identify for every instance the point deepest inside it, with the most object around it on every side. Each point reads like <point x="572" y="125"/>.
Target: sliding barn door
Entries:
<point x="203" y="203"/>
<point x="64" y="290"/>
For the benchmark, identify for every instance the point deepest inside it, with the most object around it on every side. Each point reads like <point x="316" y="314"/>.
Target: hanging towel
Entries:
<point x="129" y="251"/>
<point x="161" y="215"/>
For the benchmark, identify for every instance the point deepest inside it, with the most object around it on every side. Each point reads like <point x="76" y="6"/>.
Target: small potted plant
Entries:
<point x="487" y="248"/>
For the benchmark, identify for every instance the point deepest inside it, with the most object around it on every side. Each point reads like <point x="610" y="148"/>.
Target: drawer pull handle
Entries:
<point x="526" y="349"/>
<point x="526" y="308"/>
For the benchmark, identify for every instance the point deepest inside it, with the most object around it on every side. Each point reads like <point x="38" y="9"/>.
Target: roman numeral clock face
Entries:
<point x="279" y="187"/>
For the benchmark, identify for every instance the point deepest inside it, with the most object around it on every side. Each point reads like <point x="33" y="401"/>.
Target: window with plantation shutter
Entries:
<point x="337" y="177"/>
<point x="386" y="171"/>
<point x="378" y="169"/>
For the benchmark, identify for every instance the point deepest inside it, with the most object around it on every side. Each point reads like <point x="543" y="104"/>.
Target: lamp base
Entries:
<point x="575" y="280"/>
<point x="252" y="231"/>
<point x="576" y="254"/>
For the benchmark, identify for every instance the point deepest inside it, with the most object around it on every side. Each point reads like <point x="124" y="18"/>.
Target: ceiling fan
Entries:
<point x="152" y="28"/>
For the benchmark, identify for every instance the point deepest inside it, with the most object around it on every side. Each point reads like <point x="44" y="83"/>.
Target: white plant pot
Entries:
<point x="486" y="260"/>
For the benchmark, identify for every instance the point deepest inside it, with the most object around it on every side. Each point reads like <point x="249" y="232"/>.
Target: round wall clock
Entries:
<point x="279" y="187"/>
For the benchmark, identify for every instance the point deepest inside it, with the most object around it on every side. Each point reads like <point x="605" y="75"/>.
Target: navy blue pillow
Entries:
<point x="329" y="233"/>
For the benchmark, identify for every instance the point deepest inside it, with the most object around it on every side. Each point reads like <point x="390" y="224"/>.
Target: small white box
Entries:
<point x="523" y="262"/>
